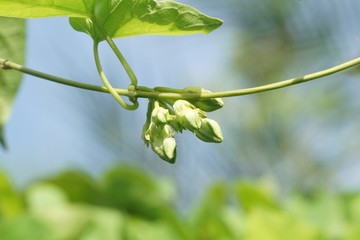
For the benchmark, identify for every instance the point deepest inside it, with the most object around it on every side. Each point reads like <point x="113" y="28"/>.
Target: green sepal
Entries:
<point x="147" y="122"/>
<point x="207" y="105"/>
<point x="176" y="126"/>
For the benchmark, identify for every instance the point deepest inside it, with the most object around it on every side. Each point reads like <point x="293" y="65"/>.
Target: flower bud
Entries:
<point x="189" y="116"/>
<point x="160" y="115"/>
<point x="163" y="142"/>
<point x="209" y="131"/>
<point x="207" y="105"/>
<point x="170" y="149"/>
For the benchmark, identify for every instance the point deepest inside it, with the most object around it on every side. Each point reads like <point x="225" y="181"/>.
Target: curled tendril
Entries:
<point x="107" y="84"/>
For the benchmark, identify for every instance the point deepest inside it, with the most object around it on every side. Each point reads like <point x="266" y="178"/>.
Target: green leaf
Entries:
<point x="119" y="18"/>
<point x="271" y="224"/>
<point x="49" y="204"/>
<point x="106" y="223"/>
<point x="208" y="219"/>
<point x="142" y="17"/>
<point x="134" y="192"/>
<point x="10" y="202"/>
<point x="24" y="227"/>
<point x="77" y="186"/>
<point x="45" y="8"/>
<point x="12" y="46"/>
<point x="256" y="195"/>
<point x="137" y="228"/>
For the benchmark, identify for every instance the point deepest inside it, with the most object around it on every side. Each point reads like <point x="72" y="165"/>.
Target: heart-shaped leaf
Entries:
<point x="122" y="18"/>
<point x="12" y="46"/>
<point x="119" y="18"/>
<point x="45" y="8"/>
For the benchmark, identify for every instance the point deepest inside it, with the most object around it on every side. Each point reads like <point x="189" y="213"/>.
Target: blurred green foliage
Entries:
<point x="292" y="134"/>
<point x="128" y="204"/>
<point x="12" y="46"/>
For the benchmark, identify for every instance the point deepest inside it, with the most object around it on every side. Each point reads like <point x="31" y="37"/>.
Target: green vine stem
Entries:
<point x="145" y="92"/>
<point x="107" y="83"/>
<point x="118" y="54"/>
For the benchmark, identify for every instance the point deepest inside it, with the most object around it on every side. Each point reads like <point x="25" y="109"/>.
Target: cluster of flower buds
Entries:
<point x="195" y="120"/>
<point x="164" y="118"/>
<point x="158" y="133"/>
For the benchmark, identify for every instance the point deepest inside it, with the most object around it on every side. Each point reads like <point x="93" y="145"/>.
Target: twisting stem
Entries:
<point x="107" y="83"/>
<point x="287" y="83"/>
<point x="118" y="54"/>
<point x="6" y="64"/>
<point x="168" y="90"/>
<point x="145" y="92"/>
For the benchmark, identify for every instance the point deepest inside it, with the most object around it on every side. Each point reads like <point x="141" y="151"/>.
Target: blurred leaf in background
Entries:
<point x="135" y="193"/>
<point x="232" y="211"/>
<point x="77" y="186"/>
<point x="252" y="196"/>
<point x="126" y="204"/>
<point x="12" y="46"/>
<point x="293" y="134"/>
<point x="209" y="219"/>
<point x="10" y="202"/>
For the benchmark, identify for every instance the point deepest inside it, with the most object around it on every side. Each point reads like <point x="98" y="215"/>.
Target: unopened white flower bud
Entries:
<point x="160" y="115"/>
<point x="161" y="138"/>
<point x="209" y="131"/>
<point x="170" y="149"/>
<point x="188" y="115"/>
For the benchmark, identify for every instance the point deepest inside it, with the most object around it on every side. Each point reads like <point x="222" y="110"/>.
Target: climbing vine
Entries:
<point x="170" y="110"/>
